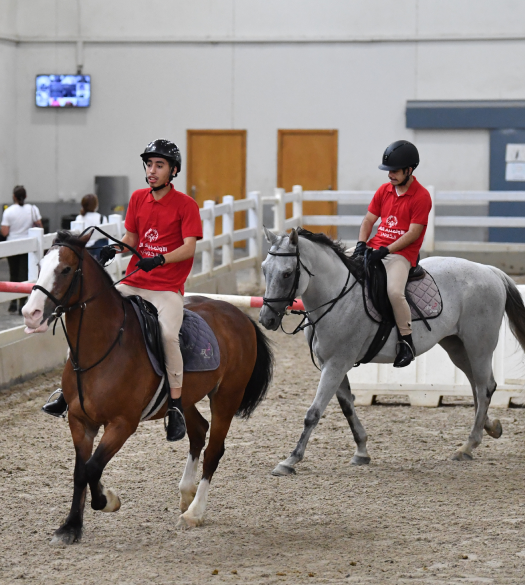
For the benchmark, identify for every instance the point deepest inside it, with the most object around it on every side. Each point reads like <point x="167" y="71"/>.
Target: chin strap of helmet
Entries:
<point x="406" y="179"/>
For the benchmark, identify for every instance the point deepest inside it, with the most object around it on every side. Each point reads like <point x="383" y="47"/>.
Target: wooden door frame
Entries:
<point x="189" y="154"/>
<point x="281" y="133"/>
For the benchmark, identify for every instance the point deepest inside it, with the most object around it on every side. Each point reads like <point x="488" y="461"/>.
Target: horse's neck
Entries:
<point x="330" y="274"/>
<point x="101" y="317"/>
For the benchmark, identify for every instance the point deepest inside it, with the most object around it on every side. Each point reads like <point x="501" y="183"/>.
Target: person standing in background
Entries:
<point x="91" y="218"/>
<point x="16" y="221"/>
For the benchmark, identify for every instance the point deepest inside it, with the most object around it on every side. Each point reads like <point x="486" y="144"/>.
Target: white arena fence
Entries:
<point x="426" y="381"/>
<point x="439" y="198"/>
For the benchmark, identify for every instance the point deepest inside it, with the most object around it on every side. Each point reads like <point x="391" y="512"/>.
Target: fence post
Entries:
<point x="33" y="258"/>
<point x="77" y="226"/>
<point x="279" y="211"/>
<point x="227" y="228"/>
<point x="208" y="234"/>
<point x="298" y="203"/>
<point x="255" y="242"/>
<point x="428" y="242"/>
<point x="116" y="218"/>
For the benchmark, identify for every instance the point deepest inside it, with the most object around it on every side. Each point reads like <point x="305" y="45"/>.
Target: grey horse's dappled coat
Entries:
<point x="475" y="299"/>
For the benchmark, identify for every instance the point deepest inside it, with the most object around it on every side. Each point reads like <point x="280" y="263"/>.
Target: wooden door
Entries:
<point x="216" y="167"/>
<point x="309" y="158"/>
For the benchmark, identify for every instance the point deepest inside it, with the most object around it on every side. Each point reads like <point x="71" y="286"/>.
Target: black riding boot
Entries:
<point x="406" y="352"/>
<point x="58" y="407"/>
<point x="176" y="425"/>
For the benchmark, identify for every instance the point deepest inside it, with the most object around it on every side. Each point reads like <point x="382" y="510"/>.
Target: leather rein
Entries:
<point x="307" y="320"/>
<point x="61" y="308"/>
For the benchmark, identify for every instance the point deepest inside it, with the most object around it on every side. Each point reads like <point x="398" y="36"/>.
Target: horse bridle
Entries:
<point x="290" y="299"/>
<point x="61" y="308"/>
<point x="307" y="321"/>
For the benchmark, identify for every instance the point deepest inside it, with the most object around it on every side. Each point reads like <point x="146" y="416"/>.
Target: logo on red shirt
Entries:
<point x="152" y="235"/>
<point x="391" y="221"/>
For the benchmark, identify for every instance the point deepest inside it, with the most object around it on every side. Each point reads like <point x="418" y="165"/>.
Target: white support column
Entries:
<point x="428" y="242"/>
<point x="298" y="203"/>
<point x="33" y="258"/>
<point x="116" y="219"/>
<point x="227" y="228"/>
<point x="208" y="234"/>
<point x="279" y="211"/>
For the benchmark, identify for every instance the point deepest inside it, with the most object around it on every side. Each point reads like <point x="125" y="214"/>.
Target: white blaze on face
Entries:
<point x="34" y="309"/>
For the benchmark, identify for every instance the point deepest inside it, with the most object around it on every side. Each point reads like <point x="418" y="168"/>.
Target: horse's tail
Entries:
<point x="261" y="377"/>
<point x="514" y="307"/>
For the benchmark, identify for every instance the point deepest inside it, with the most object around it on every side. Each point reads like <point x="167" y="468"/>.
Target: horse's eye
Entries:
<point x="66" y="270"/>
<point x="287" y="274"/>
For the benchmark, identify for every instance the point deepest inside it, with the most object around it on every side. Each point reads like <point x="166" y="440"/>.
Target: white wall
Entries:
<point x="144" y="90"/>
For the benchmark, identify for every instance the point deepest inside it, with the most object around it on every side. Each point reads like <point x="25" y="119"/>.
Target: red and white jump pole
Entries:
<point x="243" y="302"/>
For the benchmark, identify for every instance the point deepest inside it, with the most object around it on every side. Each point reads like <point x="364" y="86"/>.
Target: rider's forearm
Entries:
<point x="184" y="252"/>
<point x="409" y="238"/>
<point x="130" y="239"/>
<point x="365" y="230"/>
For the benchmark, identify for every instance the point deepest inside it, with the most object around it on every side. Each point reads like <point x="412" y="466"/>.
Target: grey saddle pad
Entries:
<point x="198" y="344"/>
<point x="424" y="293"/>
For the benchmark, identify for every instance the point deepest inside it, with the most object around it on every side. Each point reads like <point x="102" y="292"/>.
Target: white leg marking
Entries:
<point x="195" y="513"/>
<point x="187" y="487"/>
<point x="113" y="501"/>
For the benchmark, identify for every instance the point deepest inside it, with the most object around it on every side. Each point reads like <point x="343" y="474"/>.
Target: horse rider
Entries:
<point x="403" y="205"/>
<point x="163" y="225"/>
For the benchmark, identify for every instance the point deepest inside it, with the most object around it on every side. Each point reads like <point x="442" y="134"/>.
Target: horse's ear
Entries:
<point x="86" y="236"/>
<point x="294" y="238"/>
<point x="271" y="238"/>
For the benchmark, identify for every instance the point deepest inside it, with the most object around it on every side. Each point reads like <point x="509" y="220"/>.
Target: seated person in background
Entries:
<point x="16" y="221"/>
<point x="91" y="218"/>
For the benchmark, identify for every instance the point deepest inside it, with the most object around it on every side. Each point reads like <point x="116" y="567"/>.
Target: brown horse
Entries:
<point x="118" y="381"/>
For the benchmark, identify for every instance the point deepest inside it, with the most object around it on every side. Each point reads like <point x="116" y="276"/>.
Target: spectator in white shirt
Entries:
<point x="91" y="218"/>
<point x="16" y="221"/>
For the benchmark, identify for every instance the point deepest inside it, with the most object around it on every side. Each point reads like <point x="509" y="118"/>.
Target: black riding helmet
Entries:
<point x="400" y="155"/>
<point x="163" y="149"/>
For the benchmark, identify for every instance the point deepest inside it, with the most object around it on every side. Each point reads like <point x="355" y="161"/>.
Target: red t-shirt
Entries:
<point x="397" y="212"/>
<point x="161" y="227"/>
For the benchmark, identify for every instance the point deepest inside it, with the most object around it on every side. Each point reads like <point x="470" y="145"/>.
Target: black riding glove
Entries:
<point x="378" y="255"/>
<point x="148" y="264"/>
<point x="107" y="253"/>
<point x="360" y="249"/>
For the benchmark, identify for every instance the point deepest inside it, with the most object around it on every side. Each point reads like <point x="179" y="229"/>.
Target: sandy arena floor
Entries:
<point x="412" y="516"/>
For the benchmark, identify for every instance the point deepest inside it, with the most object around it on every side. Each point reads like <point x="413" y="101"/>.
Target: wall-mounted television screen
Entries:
<point x="63" y="91"/>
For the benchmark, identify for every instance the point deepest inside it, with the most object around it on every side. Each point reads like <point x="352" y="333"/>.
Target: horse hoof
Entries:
<point x="358" y="460"/>
<point x="281" y="470"/>
<point x="66" y="536"/>
<point x="112" y="501"/>
<point x="461" y="456"/>
<point x="496" y="430"/>
<point x="187" y="522"/>
<point x="186" y="500"/>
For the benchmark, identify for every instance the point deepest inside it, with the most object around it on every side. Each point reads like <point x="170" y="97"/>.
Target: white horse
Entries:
<point x="475" y="298"/>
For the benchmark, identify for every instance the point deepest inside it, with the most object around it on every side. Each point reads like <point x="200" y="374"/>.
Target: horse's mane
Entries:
<point x="355" y="265"/>
<point x="66" y="237"/>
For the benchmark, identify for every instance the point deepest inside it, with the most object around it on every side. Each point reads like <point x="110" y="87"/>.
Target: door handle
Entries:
<point x="193" y="191"/>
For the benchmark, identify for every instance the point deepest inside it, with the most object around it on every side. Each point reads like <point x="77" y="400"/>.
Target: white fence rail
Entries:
<point x="37" y="243"/>
<point x="439" y="198"/>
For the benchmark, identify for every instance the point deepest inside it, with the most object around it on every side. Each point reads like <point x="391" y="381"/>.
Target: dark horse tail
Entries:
<point x="514" y="307"/>
<point x="261" y="377"/>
